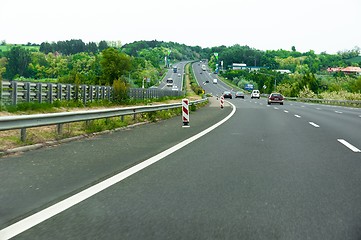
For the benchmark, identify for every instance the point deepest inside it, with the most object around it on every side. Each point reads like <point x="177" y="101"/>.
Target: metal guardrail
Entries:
<point x="36" y="120"/>
<point x="327" y="101"/>
<point x="14" y="92"/>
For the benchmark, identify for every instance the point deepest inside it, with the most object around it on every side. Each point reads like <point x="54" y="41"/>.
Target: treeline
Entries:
<point x="72" y="47"/>
<point x="74" y="61"/>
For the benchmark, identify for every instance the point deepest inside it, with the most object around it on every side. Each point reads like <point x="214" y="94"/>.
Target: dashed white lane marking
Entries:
<point x="285" y="111"/>
<point x="338" y="112"/>
<point x="276" y="108"/>
<point x="61" y="206"/>
<point x="314" y="124"/>
<point x="297" y="116"/>
<point x="348" y="145"/>
<point x="318" y="108"/>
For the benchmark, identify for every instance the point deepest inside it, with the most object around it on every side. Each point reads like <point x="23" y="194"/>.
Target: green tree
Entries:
<point x="18" y="62"/>
<point x="114" y="65"/>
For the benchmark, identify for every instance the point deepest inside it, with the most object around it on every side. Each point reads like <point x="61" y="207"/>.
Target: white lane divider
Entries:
<point x="318" y="108"/>
<point x="348" y="145"/>
<point x="338" y="112"/>
<point x="35" y="219"/>
<point x="285" y="111"/>
<point x="297" y="116"/>
<point x="314" y="124"/>
<point x="276" y="108"/>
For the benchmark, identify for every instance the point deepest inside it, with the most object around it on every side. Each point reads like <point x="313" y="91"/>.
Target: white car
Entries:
<point x="215" y="81"/>
<point x="255" y="94"/>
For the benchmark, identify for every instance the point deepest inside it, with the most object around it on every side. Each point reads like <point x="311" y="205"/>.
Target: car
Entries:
<point x="179" y="75"/>
<point x="227" y="94"/>
<point x="255" y="94"/>
<point x="239" y="95"/>
<point x="215" y="81"/>
<point x="207" y="81"/>
<point x="275" y="98"/>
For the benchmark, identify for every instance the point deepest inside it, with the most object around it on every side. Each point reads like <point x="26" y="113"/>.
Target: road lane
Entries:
<point x="262" y="175"/>
<point x="37" y="179"/>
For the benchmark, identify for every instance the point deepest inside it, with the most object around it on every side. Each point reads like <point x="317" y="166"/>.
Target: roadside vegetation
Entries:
<point x="11" y="139"/>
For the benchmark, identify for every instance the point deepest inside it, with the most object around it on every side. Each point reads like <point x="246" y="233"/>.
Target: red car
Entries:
<point x="275" y="98"/>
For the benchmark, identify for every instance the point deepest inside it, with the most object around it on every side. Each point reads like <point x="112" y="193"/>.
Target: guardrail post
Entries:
<point x="68" y="92"/>
<point x="49" y="87"/>
<point x="27" y="92"/>
<point x="14" y="92"/>
<point x="39" y="94"/>
<point x="91" y="92"/>
<point x="23" y="134"/>
<point x="59" y="91"/>
<point x="108" y="93"/>
<point x="59" y="129"/>
<point x="103" y="93"/>
<point x="83" y="89"/>
<point x="97" y="93"/>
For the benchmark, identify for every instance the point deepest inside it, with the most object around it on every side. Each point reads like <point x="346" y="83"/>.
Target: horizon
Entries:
<point x="321" y="26"/>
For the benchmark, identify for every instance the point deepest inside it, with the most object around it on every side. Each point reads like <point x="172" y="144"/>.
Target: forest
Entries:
<point x="76" y="62"/>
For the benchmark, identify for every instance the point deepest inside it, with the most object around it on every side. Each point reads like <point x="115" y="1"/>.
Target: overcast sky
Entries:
<point x="319" y="25"/>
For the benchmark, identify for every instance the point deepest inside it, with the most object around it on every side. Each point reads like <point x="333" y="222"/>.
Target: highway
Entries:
<point x="248" y="171"/>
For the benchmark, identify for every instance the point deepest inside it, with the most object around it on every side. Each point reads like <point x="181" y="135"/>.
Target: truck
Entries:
<point x="204" y="67"/>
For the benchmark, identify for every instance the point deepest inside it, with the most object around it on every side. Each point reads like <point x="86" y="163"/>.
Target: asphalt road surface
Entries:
<point x="267" y="172"/>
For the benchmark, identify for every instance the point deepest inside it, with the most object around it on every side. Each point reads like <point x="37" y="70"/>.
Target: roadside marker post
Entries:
<point x="222" y="102"/>
<point x="185" y="112"/>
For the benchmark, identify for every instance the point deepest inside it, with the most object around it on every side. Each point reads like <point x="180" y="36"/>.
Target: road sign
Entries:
<point x="248" y="86"/>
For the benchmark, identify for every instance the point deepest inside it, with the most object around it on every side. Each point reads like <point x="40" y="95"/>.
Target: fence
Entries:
<point x="14" y="92"/>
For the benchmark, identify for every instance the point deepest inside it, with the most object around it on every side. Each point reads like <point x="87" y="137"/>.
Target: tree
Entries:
<point x="102" y="45"/>
<point x="114" y="65"/>
<point x="18" y="62"/>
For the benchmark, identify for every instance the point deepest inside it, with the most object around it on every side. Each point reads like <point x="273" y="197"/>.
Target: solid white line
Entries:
<point x="350" y="146"/>
<point x="59" y="207"/>
<point x="314" y="124"/>
<point x="297" y="116"/>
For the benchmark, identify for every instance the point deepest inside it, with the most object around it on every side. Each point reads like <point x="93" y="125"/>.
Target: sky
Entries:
<point x="319" y="25"/>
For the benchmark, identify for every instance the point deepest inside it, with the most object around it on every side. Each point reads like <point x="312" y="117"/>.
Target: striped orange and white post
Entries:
<point x="185" y="112"/>
<point x="222" y="102"/>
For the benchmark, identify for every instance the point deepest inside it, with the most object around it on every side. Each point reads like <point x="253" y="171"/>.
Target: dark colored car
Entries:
<point x="239" y="95"/>
<point x="227" y="94"/>
<point x="275" y="98"/>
